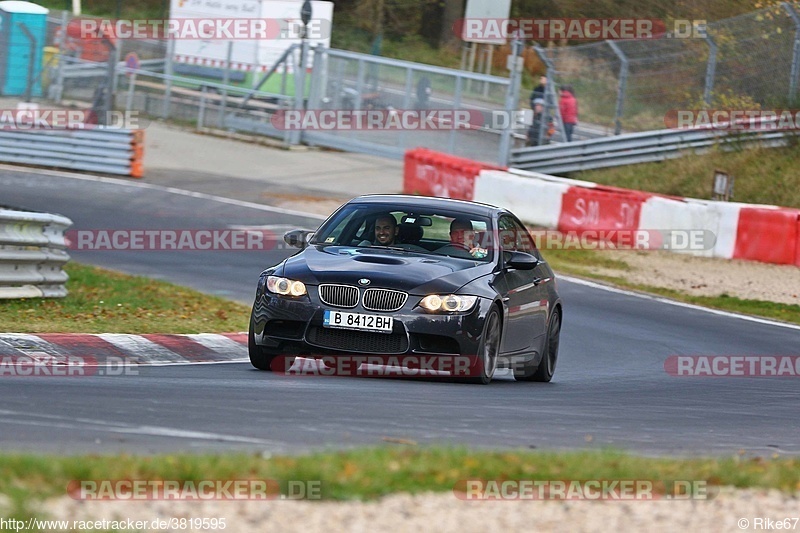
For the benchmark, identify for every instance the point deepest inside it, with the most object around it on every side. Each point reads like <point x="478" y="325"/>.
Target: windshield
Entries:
<point x="443" y="233"/>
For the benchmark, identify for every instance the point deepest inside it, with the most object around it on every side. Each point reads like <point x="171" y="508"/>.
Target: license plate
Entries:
<point x="339" y="319"/>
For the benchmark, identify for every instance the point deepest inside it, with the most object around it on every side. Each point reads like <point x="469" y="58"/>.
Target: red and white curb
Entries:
<point x="147" y="349"/>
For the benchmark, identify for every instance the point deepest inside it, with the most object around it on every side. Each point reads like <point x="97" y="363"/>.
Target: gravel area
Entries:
<point x="704" y="276"/>
<point x="446" y="513"/>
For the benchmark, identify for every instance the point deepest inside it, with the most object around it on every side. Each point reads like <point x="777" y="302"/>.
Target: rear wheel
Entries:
<point x="264" y="359"/>
<point x="489" y="349"/>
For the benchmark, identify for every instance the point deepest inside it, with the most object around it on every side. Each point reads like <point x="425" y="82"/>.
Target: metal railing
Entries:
<point x="633" y="148"/>
<point x="100" y="149"/>
<point x="32" y="254"/>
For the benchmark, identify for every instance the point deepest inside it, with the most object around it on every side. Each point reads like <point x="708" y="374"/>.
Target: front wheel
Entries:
<point x="489" y="349"/>
<point x="262" y="358"/>
<point x="548" y="365"/>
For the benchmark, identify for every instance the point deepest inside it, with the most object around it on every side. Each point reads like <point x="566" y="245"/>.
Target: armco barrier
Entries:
<point x="767" y="235"/>
<point x="106" y="150"/>
<point x="32" y="254"/>
<point x="436" y="174"/>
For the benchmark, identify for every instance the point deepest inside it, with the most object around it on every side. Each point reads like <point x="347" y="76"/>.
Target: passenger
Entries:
<point x="385" y="231"/>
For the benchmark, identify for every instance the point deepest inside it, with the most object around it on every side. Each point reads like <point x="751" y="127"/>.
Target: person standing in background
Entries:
<point x="568" y="105"/>
<point x="538" y="91"/>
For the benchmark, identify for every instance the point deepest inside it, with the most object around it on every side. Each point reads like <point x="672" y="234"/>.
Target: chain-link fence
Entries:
<point x="230" y="95"/>
<point x="744" y="62"/>
<point x="739" y="63"/>
<point x="346" y="80"/>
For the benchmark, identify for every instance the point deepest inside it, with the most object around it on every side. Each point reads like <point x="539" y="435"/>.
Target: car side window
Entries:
<point x="514" y="236"/>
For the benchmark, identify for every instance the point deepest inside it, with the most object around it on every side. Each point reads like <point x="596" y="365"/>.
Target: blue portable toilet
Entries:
<point x="20" y="61"/>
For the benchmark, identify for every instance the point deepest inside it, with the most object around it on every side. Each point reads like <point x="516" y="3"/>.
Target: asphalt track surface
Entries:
<point x="610" y="389"/>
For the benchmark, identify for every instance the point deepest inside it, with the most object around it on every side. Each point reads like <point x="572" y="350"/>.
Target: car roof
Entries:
<point x="429" y="202"/>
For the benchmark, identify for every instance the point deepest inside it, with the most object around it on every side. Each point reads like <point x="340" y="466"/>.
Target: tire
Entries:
<point x="488" y="350"/>
<point x="264" y="359"/>
<point x="547" y="367"/>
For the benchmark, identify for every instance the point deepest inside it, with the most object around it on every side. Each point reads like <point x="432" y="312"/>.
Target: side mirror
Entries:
<point x="298" y="238"/>
<point x="522" y="261"/>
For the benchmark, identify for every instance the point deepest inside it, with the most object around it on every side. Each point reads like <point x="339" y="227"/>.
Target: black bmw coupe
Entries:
<point x="412" y="278"/>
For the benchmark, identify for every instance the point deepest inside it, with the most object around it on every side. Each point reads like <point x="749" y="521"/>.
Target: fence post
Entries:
<point x="315" y="85"/>
<point x="131" y="90"/>
<point x="550" y="107"/>
<point x="488" y="72"/>
<point x="201" y="112"/>
<point x="226" y="79"/>
<point x="168" y="72"/>
<point x="451" y="142"/>
<point x="512" y="101"/>
<point x="623" y="82"/>
<point x="359" y="84"/>
<point x="795" y="53"/>
<point x="711" y="69"/>
<point x="62" y="41"/>
<point x="32" y="52"/>
<point x="299" y="89"/>
<point x="112" y="73"/>
<point x="406" y="103"/>
<point x="117" y="59"/>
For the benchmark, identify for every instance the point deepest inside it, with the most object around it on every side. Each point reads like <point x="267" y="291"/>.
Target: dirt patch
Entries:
<point x="704" y="276"/>
<point x="403" y="512"/>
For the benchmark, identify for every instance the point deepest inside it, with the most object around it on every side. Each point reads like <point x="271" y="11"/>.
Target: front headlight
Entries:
<point x="285" y="287"/>
<point x="449" y="303"/>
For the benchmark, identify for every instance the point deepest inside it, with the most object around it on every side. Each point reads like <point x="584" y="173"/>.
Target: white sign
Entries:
<point x="284" y="28"/>
<point x="499" y="10"/>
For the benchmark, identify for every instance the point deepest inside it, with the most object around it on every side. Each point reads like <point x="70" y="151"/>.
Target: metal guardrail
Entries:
<point x="32" y="254"/>
<point x="77" y="68"/>
<point x="108" y="150"/>
<point x="633" y="148"/>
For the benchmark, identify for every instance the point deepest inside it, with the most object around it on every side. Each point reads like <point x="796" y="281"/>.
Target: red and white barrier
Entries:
<point x="762" y="233"/>
<point x="768" y="234"/>
<point x="432" y="173"/>
<point x="719" y="218"/>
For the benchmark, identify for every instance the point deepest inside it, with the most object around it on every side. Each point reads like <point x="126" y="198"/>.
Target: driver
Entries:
<point x="462" y="241"/>
<point x="386" y="231"/>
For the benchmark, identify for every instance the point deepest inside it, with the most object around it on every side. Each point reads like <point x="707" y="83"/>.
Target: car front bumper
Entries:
<point x="295" y="326"/>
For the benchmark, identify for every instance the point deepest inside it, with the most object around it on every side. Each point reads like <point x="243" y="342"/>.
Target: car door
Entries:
<point x="523" y="291"/>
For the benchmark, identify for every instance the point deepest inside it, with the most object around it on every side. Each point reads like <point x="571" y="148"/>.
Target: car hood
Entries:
<point x="410" y="272"/>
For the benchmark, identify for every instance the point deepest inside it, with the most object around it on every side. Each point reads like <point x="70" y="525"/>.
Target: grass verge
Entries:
<point x="102" y="300"/>
<point x="763" y="175"/>
<point x="374" y="472"/>
<point x="582" y="263"/>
